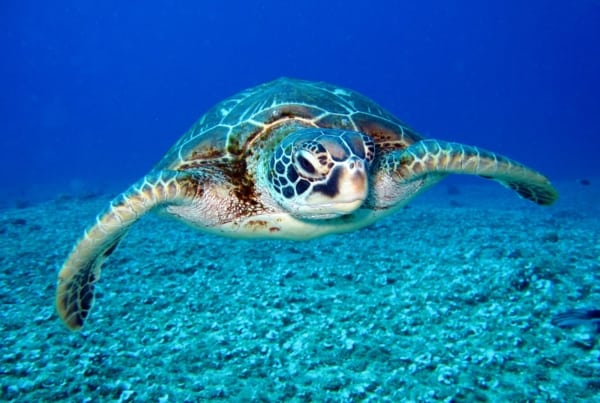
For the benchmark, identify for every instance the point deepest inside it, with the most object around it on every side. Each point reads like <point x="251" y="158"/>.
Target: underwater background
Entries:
<point x="451" y="299"/>
<point x="93" y="94"/>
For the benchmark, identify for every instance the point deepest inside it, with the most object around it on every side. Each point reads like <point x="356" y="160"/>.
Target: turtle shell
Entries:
<point x="228" y="131"/>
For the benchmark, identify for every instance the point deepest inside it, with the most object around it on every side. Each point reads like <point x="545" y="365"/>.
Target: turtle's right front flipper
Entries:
<point x="423" y="163"/>
<point x="75" y="289"/>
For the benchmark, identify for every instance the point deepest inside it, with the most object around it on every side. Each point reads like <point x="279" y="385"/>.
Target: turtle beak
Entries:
<point x="345" y="190"/>
<point x="353" y="186"/>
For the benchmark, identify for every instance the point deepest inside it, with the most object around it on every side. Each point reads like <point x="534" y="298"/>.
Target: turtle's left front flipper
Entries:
<point x="435" y="159"/>
<point x="75" y="289"/>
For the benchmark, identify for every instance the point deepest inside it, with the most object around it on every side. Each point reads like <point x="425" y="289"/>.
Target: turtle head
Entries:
<point x="321" y="173"/>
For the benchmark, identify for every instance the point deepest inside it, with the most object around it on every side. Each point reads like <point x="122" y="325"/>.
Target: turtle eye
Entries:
<point x="306" y="164"/>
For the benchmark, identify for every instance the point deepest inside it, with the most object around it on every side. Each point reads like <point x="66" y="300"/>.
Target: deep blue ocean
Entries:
<point x="466" y="296"/>
<point x="94" y="93"/>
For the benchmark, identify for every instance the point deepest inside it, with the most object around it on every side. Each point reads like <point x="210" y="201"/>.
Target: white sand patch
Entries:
<point x="450" y="299"/>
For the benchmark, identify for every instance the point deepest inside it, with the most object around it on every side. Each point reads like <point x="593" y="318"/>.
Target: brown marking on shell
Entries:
<point x="264" y="132"/>
<point x="210" y="146"/>
<point x="241" y="137"/>
<point x="387" y="135"/>
<point x="335" y="121"/>
<point x="234" y="147"/>
<point x="208" y="153"/>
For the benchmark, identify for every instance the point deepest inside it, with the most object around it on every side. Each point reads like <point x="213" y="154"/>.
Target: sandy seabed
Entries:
<point x="449" y="300"/>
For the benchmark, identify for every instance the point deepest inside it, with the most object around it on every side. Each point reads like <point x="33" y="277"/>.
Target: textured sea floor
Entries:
<point x="449" y="300"/>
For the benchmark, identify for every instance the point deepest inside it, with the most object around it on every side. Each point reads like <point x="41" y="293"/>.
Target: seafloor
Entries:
<point x="449" y="300"/>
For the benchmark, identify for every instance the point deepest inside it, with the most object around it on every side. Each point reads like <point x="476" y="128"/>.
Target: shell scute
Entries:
<point x="385" y="132"/>
<point x="227" y="132"/>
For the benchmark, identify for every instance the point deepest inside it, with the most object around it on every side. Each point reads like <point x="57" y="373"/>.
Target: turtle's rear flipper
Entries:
<point x="440" y="157"/>
<point x="76" y="279"/>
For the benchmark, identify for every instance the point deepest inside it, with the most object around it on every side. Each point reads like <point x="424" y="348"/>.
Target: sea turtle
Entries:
<point x="289" y="159"/>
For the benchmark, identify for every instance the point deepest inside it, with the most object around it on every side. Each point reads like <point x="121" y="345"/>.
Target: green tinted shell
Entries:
<point x="228" y="131"/>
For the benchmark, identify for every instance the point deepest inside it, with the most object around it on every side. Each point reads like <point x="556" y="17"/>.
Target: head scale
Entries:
<point x="321" y="173"/>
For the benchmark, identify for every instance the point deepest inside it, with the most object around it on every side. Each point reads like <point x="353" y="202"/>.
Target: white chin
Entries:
<point x="329" y="210"/>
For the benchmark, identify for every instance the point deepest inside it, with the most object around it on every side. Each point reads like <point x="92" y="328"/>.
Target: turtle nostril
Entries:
<point x="355" y="164"/>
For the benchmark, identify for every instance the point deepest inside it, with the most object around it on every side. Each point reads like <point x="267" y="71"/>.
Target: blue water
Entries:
<point x="93" y="93"/>
<point x="451" y="298"/>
